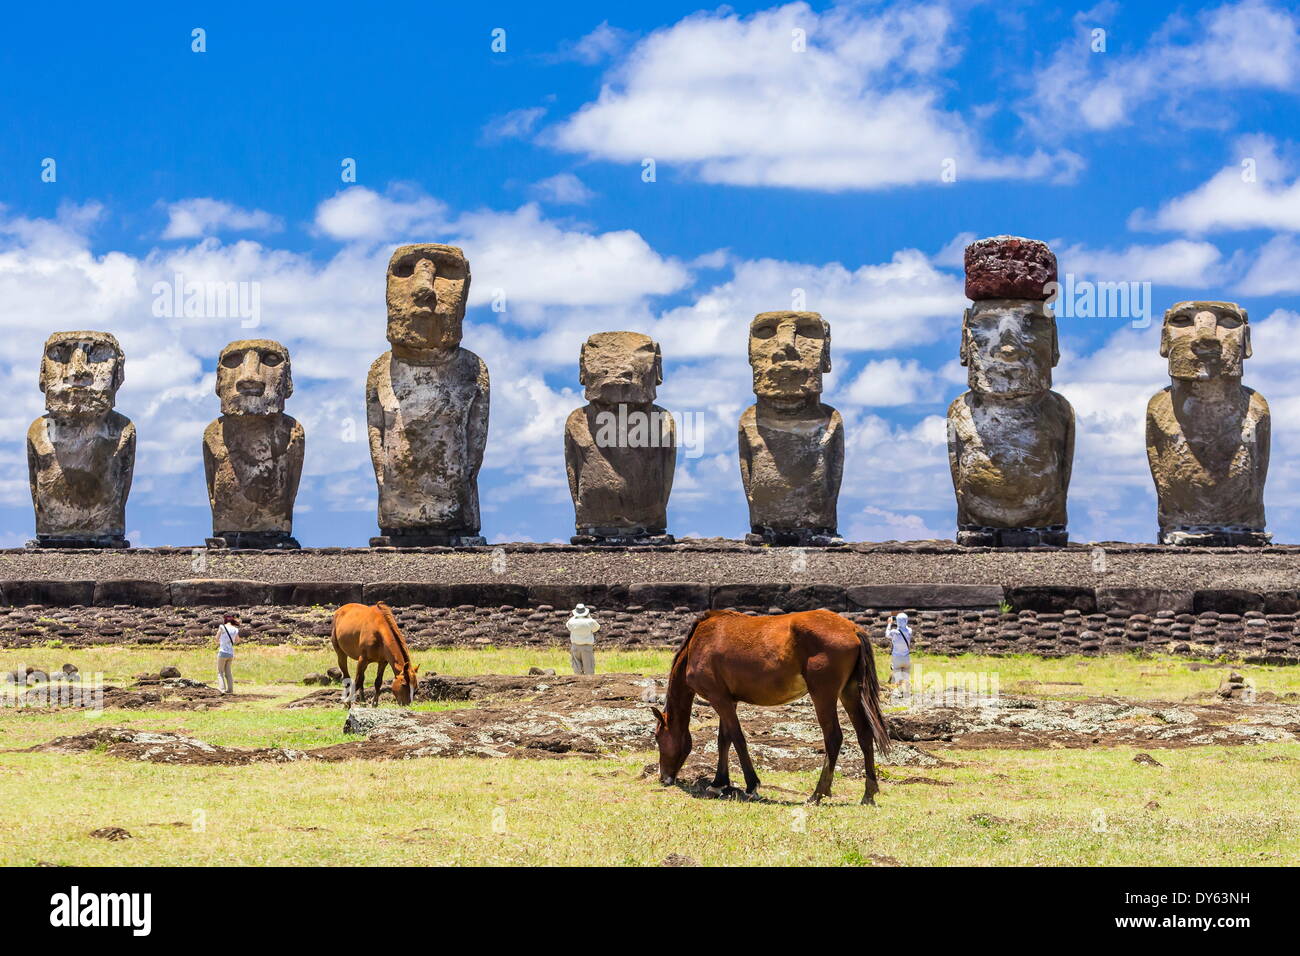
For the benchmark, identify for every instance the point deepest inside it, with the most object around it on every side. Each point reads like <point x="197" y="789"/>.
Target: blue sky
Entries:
<point x="1161" y="151"/>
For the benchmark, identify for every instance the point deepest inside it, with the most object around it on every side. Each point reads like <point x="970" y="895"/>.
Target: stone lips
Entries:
<point x="1009" y="267"/>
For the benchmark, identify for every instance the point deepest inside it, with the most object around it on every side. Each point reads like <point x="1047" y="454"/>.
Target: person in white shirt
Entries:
<point x="227" y="638"/>
<point x="900" y="653"/>
<point x="582" y="640"/>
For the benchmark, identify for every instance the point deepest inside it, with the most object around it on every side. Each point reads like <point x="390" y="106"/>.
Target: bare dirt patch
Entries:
<point x="551" y="717"/>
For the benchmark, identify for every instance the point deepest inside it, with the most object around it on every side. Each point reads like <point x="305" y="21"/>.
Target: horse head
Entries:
<point x="404" y="684"/>
<point x="674" y="745"/>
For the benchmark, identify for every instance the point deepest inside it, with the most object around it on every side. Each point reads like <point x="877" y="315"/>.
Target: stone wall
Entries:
<point x="1043" y="601"/>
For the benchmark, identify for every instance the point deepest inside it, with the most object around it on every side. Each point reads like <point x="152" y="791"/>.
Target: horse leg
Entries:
<point x="851" y="698"/>
<point x="359" y="685"/>
<point x="722" y="779"/>
<point x="730" y="725"/>
<point x="379" y="681"/>
<point x="829" y="719"/>
<point x="347" y="681"/>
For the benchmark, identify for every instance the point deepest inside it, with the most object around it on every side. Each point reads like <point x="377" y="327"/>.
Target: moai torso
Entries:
<point x="1010" y="438"/>
<point x="791" y="445"/>
<point x="620" y="449"/>
<point x="253" y="465"/>
<point x="620" y="490"/>
<point x="1207" y="435"/>
<point x="1011" y="460"/>
<point x="428" y="432"/>
<point x="81" y="453"/>
<point x="80" y="474"/>
<point x="791" y="468"/>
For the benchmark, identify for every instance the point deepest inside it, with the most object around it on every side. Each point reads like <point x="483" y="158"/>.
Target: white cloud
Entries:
<point x="890" y="382"/>
<point x="905" y="301"/>
<point x="563" y="189"/>
<point x="1274" y="268"/>
<point x="872" y="523"/>
<point x="600" y="44"/>
<point x="735" y="100"/>
<point x="361" y="213"/>
<point x="1180" y="262"/>
<point x="1246" y="46"/>
<point x="513" y="125"/>
<point x="196" y="218"/>
<point x="1251" y="193"/>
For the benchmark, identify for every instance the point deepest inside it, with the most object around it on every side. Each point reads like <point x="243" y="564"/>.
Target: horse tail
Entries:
<point x="398" y="637"/>
<point x="869" y="682"/>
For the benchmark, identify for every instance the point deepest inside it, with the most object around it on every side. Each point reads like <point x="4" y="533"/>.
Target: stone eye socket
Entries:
<point x="404" y="270"/>
<point x="1181" y="321"/>
<point x="1229" y="321"/>
<point x="810" y="330"/>
<point x="764" y="332"/>
<point x="272" y="359"/>
<point x="232" y="360"/>
<point x="96" y="352"/>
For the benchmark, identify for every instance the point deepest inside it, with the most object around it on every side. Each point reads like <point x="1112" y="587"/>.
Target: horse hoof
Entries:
<point x="715" y="793"/>
<point x="815" y="799"/>
<point x="868" y="801"/>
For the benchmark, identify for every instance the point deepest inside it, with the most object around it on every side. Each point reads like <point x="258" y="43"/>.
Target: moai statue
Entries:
<point x="1207" y="434"/>
<point x="81" y="453"/>
<point x="620" y="449"/>
<point x="791" y="445"/>
<point x="1010" y="438"/>
<point x="252" y="454"/>
<point x="427" y="405"/>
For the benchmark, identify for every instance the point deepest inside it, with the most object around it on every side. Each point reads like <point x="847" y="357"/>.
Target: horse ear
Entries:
<point x="659" y="717"/>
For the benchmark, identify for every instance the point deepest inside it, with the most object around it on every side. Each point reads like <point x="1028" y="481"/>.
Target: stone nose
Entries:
<point x="422" y="289"/>
<point x="249" y="379"/>
<point x="78" y="368"/>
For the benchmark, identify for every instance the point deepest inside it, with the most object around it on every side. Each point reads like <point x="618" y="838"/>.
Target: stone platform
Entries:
<point x="1080" y="599"/>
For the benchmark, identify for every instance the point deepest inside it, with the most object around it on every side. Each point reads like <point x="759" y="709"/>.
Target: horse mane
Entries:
<point x="399" y="637"/>
<point x="681" y="649"/>
<point x="680" y="656"/>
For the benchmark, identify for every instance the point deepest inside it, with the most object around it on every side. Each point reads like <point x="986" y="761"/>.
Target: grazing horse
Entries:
<point x="730" y="657"/>
<point x="370" y="635"/>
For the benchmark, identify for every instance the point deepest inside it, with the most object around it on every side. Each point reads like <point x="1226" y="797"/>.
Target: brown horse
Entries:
<point x="370" y="635"/>
<point x="730" y="657"/>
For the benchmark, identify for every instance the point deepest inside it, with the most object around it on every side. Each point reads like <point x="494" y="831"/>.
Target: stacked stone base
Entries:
<point x="1254" y="635"/>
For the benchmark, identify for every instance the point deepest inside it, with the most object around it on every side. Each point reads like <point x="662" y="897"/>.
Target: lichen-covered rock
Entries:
<point x="791" y="444"/>
<point x="253" y="453"/>
<point x="81" y="453"/>
<point x="1207" y="434"/>
<point x="1010" y="437"/>
<point x="620" y="449"/>
<point x="427" y="404"/>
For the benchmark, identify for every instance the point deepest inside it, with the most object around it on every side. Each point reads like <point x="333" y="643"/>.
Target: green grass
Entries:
<point x="1216" y="805"/>
<point x="1126" y="675"/>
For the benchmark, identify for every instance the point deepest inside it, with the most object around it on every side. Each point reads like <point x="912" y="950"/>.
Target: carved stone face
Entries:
<point x="789" y="352"/>
<point x="254" y="377"/>
<point x="620" y="367"/>
<point x="428" y="285"/>
<point x="1009" y="346"/>
<point x="1205" y="340"/>
<point x="81" y="373"/>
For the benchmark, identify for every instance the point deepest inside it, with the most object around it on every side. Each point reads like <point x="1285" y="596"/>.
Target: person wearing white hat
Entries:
<point x="900" y="653"/>
<point x="582" y="640"/>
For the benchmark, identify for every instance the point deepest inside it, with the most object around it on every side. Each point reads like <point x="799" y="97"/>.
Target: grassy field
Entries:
<point x="1208" y="805"/>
